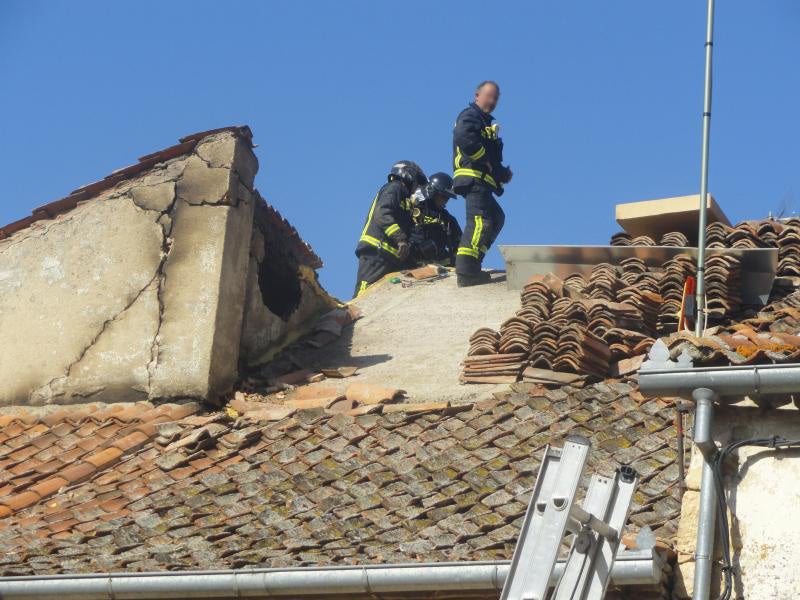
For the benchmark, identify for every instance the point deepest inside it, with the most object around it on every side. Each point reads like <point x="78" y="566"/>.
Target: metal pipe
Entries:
<point x="700" y="291"/>
<point x="725" y="381"/>
<point x="707" y="513"/>
<point x="631" y="568"/>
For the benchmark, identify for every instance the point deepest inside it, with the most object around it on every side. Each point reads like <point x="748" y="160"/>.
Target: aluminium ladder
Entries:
<point x="552" y="512"/>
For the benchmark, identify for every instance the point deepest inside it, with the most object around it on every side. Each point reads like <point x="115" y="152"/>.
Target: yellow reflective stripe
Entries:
<point x="371" y="241"/>
<point x="476" y="234"/>
<point x="476" y="248"/>
<point x="362" y="288"/>
<point x="457" y="161"/>
<point x="392" y="229"/>
<point x="369" y="216"/>
<point x="474" y="173"/>
<point x="478" y="154"/>
<point x="368" y="239"/>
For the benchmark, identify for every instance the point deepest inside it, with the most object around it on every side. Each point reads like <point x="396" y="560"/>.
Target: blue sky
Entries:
<point x="601" y="102"/>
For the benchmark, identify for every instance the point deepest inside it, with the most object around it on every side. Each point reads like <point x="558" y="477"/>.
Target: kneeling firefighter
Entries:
<point x="436" y="233"/>
<point x="384" y="243"/>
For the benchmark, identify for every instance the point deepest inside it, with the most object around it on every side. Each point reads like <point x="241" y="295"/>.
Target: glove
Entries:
<point x="403" y="250"/>
<point x="507" y="175"/>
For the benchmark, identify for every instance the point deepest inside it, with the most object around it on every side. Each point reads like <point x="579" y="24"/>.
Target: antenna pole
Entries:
<point x="700" y="293"/>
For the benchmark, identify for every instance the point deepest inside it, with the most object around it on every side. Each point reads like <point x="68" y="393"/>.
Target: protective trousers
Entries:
<point x="485" y="219"/>
<point x="372" y="266"/>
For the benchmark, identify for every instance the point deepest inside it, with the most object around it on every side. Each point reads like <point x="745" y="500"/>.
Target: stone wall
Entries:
<point x="763" y="489"/>
<point x="136" y="293"/>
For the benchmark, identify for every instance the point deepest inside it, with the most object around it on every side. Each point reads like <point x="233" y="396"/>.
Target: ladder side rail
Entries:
<point x="626" y="481"/>
<point x="577" y="571"/>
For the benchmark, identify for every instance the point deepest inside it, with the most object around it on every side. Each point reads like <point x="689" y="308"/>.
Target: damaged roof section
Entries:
<point x="141" y="282"/>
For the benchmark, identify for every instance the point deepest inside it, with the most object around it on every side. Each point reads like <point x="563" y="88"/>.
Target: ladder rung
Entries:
<point x="583" y="518"/>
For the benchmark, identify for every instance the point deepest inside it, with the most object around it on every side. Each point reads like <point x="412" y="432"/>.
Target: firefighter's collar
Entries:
<point x="480" y="110"/>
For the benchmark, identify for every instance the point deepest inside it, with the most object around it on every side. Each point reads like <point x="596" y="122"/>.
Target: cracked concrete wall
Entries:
<point x="264" y="333"/>
<point x="763" y="491"/>
<point x="137" y="293"/>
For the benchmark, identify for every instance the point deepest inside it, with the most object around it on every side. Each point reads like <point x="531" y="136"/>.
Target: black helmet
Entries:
<point x="440" y="183"/>
<point x="409" y="173"/>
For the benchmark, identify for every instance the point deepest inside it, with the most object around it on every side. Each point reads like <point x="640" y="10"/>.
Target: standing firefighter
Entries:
<point x="479" y="175"/>
<point x="384" y="244"/>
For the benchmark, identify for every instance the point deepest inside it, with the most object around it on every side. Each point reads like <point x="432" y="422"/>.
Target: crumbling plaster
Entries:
<point x="136" y="293"/>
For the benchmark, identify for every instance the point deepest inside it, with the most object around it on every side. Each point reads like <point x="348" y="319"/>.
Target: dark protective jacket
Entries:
<point x="442" y="233"/>
<point x="477" y="151"/>
<point x="389" y="220"/>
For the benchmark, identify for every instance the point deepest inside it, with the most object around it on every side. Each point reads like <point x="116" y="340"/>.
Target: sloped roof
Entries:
<point x="171" y="488"/>
<point x="178" y="487"/>
<point x="267" y="213"/>
<point x="186" y="145"/>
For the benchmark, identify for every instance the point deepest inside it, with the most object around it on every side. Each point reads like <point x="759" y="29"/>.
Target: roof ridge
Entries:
<point x="186" y="145"/>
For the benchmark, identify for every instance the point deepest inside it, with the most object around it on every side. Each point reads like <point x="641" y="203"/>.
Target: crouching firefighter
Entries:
<point x="436" y="233"/>
<point x="384" y="244"/>
<point x="479" y="176"/>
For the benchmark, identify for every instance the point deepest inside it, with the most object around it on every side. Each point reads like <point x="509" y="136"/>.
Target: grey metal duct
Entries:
<point x="630" y="568"/>
<point x="759" y="265"/>
<point x="707" y="513"/>
<point x="724" y="381"/>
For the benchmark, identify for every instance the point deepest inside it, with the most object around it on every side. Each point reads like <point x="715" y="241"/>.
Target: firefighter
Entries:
<point x="436" y="233"/>
<point x="384" y="243"/>
<point x="479" y="176"/>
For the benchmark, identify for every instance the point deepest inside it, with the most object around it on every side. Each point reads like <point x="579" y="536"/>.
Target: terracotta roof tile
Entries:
<point x="325" y="489"/>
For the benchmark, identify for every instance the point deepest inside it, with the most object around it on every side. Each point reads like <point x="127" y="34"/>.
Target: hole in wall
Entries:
<point x="279" y="282"/>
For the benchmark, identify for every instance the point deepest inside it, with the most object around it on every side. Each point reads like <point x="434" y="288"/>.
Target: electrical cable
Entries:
<point x="775" y="443"/>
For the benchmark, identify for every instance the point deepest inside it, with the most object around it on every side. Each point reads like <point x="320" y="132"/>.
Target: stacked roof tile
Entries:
<point x="671" y="285"/>
<point x="768" y="233"/>
<point x="590" y="325"/>
<point x="572" y="326"/>
<point x="674" y="239"/>
<point x="788" y="243"/>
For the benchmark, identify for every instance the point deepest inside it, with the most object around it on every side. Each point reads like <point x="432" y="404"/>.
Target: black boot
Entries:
<point x="468" y="280"/>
